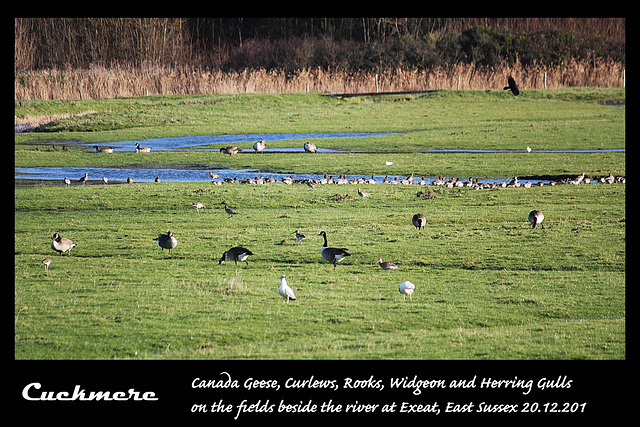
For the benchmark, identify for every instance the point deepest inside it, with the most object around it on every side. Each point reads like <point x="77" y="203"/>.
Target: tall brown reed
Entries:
<point x="99" y="82"/>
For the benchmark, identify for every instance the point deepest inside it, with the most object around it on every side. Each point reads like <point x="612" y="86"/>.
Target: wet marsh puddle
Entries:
<point x="196" y="142"/>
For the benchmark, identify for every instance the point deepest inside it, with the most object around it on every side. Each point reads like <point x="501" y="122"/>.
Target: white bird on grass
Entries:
<point x="285" y="290"/>
<point x="198" y="206"/>
<point x="47" y="263"/>
<point x="406" y="288"/>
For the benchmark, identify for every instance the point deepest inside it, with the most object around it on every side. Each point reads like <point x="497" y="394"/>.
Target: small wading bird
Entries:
<point x="198" y="206"/>
<point x="387" y="265"/>
<point x="513" y="86"/>
<point x="363" y="194"/>
<point x="62" y="244"/>
<point x="285" y="290"/>
<point x="299" y="236"/>
<point x="167" y="241"/>
<point x="236" y="254"/>
<point x="229" y="211"/>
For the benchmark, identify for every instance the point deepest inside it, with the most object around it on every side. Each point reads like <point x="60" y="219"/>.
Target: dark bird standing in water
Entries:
<point x="513" y="86"/>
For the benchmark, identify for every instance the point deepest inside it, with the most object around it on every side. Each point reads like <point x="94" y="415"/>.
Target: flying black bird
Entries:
<point x="513" y="86"/>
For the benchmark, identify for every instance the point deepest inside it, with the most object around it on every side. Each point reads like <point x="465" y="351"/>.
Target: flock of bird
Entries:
<point x="333" y="255"/>
<point x="239" y="253"/>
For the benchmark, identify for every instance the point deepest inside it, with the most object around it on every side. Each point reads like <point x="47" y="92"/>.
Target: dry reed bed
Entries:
<point x="98" y="82"/>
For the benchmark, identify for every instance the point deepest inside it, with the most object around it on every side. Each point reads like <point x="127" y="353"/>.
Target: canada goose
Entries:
<point x="419" y="221"/>
<point x="157" y="179"/>
<point x="84" y="179"/>
<point x="536" y="217"/>
<point x="67" y="181"/>
<point x="310" y="147"/>
<point x="47" y="263"/>
<point x="198" y="206"/>
<point x="167" y="241"/>
<point x="231" y="150"/>
<point x="363" y="194"/>
<point x="142" y="149"/>
<point x="406" y="288"/>
<point x="103" y="149"/>
<point x="285" y="290"/>
<point x="334" y="255"/>
<point x="236" y="254"/>
<point x="105" y="180"/>
<point x="129" y="180"/>
<point x="300" y="236"/>
<point x="387" y="265"/>
<point x="229" y="211"/>
<point x="62" y="244"/>
<point x="259" y="146"/>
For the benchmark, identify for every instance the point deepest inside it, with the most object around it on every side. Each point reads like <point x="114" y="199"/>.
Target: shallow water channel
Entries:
<point x="116" y="174"/>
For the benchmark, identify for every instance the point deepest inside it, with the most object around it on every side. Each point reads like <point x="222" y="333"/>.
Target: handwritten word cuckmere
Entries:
<point x="80" y="394"/>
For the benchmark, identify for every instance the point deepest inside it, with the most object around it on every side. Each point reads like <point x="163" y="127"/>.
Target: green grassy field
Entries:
<point x="487" y="285"/>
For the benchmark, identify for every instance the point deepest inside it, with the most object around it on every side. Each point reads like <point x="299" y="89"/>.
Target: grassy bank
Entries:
<point x="544" y="120"/>
<point x="487" y="285"/>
